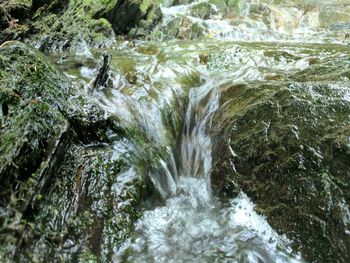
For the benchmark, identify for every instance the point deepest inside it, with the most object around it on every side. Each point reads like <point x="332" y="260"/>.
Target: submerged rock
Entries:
<point x="287" y="146"/>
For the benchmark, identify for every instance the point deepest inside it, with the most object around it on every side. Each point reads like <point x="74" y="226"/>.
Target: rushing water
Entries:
<point x="192" y="225"/>
<point x="167" y="94"/>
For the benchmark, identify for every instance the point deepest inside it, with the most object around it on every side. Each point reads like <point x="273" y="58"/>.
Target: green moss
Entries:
<point x="74" y="29"/>
<point x="145" y="5"/>
<point x="97" y="220"/>
<point x="286" y="138"/>
<point x="18" y="8"/>
<point x="35" y="95"/>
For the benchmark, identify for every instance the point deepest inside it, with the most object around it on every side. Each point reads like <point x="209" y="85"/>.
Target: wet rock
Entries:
<point x="192" y="21"/>
<point x="76" y="26"/>
<point x="287" y="147"/>
<point x="18" y="9"/>
<point x="72" y="28"/>
<point x="87" y="211"/>
<point x="36" y="96"/>
<point x="135" y="18"/>
<point x="203" y="10"/>
<point x="42" y="114"/>
<point x="80" y="26"/>
<point x="190" y="30"/>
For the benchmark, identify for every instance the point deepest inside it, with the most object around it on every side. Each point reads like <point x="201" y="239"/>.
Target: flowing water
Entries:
<point x="166" y="94"/>
<point x="192" y="225"/>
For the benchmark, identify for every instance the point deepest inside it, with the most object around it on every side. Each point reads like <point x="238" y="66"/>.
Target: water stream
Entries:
<point x="166" y="95"/>
<point x="193" y="225"/>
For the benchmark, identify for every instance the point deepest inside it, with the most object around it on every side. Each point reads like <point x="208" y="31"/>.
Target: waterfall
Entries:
<point x="193" y="225"/>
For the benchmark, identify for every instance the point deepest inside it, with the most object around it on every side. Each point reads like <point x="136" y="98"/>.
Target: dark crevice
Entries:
<point x="131" y="14"/>
<point x="56" y="6"/>
<point x="5" y="109"/>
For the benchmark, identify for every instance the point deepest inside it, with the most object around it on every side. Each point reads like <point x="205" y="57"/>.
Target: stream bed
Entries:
<point x="175" y="94"/>
<point x="228" y="140"/>
<point x="176" y="97"/>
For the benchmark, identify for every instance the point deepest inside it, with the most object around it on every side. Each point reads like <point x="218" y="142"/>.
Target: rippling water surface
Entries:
<point x="166" y="93"/>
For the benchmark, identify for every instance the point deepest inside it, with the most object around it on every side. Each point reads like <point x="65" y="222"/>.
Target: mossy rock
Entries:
<point x="202" y="10"/>
<point x="33" y="96"/>
<point x="187" y="26"/>
<point x="18" y="9"/>
<point x="44" y="120"/>
<point x="76" y="28"/>
<point x="81" y="25"/>
<point x="290" y="153"/>
<point x="285" y="142"/>
<point x="92" y="224"/>
<point x="34" y="101"/>
<point x="130" y="16"/>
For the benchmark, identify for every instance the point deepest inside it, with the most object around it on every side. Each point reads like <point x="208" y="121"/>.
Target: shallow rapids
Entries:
<point x="192" y="225"/>
<point x="169" y="96"/>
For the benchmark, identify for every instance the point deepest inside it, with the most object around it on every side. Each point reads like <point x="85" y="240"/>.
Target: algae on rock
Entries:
<point x="35" y="95"/>
<point x="44" y="121"/>
<point x="87" y="211"/>
<point x="287" y="146"/>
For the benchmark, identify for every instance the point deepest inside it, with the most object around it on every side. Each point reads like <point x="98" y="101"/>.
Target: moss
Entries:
<point x="36" y="107"/>
<point x="35" y="94"/>
<point x="18" y="9"/>
<point x="145" y="5"/>
<point x="76" y="26"/>
<point x="91" y="23"/>
<point x="286" y="138"/>
<point x="99" y="217"/>
<point x="134" y="17"/>
<point x="75" y="29"/>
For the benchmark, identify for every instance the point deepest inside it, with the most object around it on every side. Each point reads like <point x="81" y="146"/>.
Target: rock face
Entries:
<point x="289" y="150"/>
<point x="59" y="199"/>
<point x="75" y="26"/>
<point x="134" y="17"/>
<point x="34" y="104"/>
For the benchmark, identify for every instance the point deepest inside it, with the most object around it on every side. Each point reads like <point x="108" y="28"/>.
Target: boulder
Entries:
<point x="59" y="198"/>
<point x="34" y="100"/>
<point x="287" y="146"/>
<point x="72" y="27"/>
